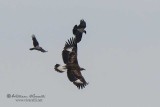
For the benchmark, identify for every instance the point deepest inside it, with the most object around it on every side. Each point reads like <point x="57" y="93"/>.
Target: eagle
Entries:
<point x="36" y="45"/>
<point x="69" y="56"/>
<point x="79" y="30"/>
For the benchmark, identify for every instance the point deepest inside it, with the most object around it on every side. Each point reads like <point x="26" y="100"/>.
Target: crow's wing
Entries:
<point x="42" y="50"/>
<point x="35" y="42"/>
<point x="77" y="34"/>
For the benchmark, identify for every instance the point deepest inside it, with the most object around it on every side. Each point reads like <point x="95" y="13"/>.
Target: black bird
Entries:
<point x="69" y="56"/>
<point x="78" y="30"/>
<point x="36" y="45"/>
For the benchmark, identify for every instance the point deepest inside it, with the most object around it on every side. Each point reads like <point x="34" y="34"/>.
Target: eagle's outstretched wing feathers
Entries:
<point x="76" y="77"/>
<point x="69" y="48"/>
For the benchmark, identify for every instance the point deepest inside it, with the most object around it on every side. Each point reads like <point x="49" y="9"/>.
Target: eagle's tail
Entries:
<point x="59" y="68"/>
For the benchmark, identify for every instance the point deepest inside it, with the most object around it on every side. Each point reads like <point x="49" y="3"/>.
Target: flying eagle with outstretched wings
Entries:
<point x="78" y="30"/>
<point x="36" y="45"/>
<point x="69" y="56"/>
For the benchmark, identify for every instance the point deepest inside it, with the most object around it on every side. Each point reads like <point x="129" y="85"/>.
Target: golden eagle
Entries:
<point x="69" y="56"/>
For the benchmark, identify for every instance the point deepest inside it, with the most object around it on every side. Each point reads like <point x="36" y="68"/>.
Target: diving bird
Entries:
<point x="78" y="30"/>
<point x="36" y="45"/>
<point x="69" y="56"/>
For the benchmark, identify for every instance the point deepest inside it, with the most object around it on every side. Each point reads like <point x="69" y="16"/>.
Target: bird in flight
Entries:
<point x="36" y="45"/>
<point x="69" y="56"/>
<point x="78" y="30"/>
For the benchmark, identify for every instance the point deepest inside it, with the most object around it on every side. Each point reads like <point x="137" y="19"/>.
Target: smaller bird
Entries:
<point x="79" y="30"/>
<point x="36" y="45"/>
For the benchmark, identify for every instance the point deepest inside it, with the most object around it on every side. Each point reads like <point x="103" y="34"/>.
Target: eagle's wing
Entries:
<point x="69" y="49"/>
<point x="35" y="42"/>
<point x="76" y="77"/>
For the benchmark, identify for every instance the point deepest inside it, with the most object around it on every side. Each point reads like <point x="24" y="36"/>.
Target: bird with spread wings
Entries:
<point x="36" y="45"/>
<point x="78" y="30"/>
<point x="69" y="56"/>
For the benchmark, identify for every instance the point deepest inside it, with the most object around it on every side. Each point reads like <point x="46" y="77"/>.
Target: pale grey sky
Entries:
<point x="120" y="52"/>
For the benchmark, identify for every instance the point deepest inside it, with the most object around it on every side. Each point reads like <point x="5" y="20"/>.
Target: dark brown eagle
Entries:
<point x="69" y="56"/>
<point x="78" y="30"/>
<point x="36" y="45"/>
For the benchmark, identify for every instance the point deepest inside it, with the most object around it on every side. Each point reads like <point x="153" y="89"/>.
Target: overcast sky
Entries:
<point x="120" y="52"/>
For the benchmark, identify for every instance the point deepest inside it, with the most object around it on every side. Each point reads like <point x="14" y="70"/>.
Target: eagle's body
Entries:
<point x="78" y="30"/>
<point x="36" y="45"/>
<point x="69" y="56"/>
